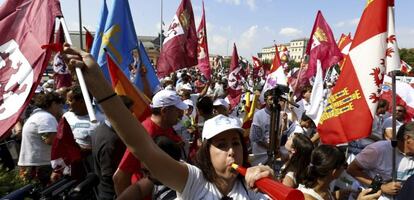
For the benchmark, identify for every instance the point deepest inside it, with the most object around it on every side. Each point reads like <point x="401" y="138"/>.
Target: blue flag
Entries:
<point x="120" y="40"/>
<point x="96" y="46"/>
<point x="151" y="76"/>
<point x="119" y="37"/>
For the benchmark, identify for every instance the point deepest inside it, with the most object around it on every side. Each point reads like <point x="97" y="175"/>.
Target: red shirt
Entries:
<point x="131" y="164"/>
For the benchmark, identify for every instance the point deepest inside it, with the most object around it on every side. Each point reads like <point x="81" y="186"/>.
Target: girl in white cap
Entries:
<point x="212" y="178"/>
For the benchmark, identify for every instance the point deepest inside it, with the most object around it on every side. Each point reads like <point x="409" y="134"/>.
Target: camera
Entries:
<point x="376" y="184"/>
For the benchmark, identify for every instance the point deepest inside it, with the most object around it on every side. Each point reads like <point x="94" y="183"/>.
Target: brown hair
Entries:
<point x="203" y="160"/>
<point x="44" y="101"/>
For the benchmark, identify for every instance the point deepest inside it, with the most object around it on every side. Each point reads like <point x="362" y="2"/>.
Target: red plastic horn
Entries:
<point x="274" y="189"/>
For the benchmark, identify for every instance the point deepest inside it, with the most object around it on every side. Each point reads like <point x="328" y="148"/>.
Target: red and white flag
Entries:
<point x="405" y="95"/>
<point x="322" y="46"/>
<point x="235" y="80"/>
<point x="356" y="93"/>
<point x="62" y="76"/>
<point x="258" y="70"/>
<point x="406" y="68"/>
<point x="180" y="45"/>
<point x="65" y="150"/>
<point x="202" y="48"/>
<point x="393" y="57"/>
<point x="344" y="43"/>
<point x="25" y="25"/>
<point x="276" y="76"/>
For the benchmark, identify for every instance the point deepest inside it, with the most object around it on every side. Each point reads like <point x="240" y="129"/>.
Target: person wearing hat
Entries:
<point x="166" y="111"/>
<point x="210" y="178"/>
<point x="221" y="107"/>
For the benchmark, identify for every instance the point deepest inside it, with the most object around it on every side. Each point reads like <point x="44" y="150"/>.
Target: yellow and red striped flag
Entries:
<point x="123" y="86"/>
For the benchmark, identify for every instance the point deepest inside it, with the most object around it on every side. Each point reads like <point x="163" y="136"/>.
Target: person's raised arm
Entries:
<point x="169" y="171"/>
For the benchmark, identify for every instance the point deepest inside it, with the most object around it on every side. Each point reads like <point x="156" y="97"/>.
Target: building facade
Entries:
<point x="296" y="48"/>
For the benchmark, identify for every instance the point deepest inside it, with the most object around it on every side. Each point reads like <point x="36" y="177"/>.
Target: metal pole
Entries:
<point x="80" y="24"/>
<point x="161" y="33"/>
<point x="394" y="124"/>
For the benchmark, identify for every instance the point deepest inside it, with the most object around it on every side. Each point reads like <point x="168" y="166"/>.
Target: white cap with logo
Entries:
<point x="166" y="98"/>
<point x="219" y="124"/>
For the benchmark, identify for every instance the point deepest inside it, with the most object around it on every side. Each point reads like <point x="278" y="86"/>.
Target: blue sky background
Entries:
<point x="251" y="24"/>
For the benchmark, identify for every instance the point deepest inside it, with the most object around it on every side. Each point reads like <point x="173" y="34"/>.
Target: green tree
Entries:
<point x="407" y="55"/>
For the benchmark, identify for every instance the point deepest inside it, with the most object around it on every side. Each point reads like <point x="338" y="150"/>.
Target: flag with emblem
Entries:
<point x="123" y="86"/>
<point x="404" y="92"/>
<point x="180" y="45"/>
<point x="61" y="75"/>
<point x="393" y="57"/>
<point x="235" y="81"/>
<point x="365" y="66"/>
<point x="276" y="76"/>
<point x="322" y="46"/>
<point x="202" y="48"/>
<point x="119" y="38"/>
<point x="25" y="25"/>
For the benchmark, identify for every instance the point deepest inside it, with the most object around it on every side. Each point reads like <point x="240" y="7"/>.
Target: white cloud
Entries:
<point x="347" y="23"/>
<point x="218" y="44"/>
<point x="290" y="32"/>
<point x="234" y="2"/>
<point x="251" y="4"/>
<point x="248" y="37"/>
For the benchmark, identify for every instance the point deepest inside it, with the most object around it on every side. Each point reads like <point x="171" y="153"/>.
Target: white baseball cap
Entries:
<point x="221" y="102"/>
<point x="166" y="98"/>
<point x="219" y="124"/>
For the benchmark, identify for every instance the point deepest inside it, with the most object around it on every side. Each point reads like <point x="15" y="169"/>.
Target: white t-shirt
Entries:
<point x="261" y="119"/>
<point x="197" y="187"/>
<point x="82" y="128"/>
<point x="34" y="152"/>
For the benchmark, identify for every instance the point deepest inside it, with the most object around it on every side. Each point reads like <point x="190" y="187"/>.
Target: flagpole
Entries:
<point x="394" y="124"/>
<point x="80" y="24"/>
<point x="161" y="33"/>
<point x="81" y="80"/>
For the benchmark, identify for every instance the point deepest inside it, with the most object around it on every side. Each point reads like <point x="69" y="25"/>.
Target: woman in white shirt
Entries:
<point x="212" y="178"/>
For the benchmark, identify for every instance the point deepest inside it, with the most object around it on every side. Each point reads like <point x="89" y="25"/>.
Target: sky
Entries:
<point x="251" y="24"/>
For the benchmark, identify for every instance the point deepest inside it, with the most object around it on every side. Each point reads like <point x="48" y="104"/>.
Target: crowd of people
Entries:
<point x="184" y="149"/>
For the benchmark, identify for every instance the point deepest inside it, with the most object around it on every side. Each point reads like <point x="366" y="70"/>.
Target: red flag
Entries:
<point x="406" y="68"/>
<point x="356" y="93"/>
<point x="322" y="46"/>
<point x="62" y="75"/>
<point x="258" y="70"/>
<point x="404" y="92"/>
<point x="180" y="45"/>
<point x="88" y="39"/>
<point x="25" y="25"/>
<point x="344" y="44"/>
<point x="123" y="86"/>
<point x="65" y="150"/>
<point x="202" y="48"/>
<point x="235" y="79"/>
